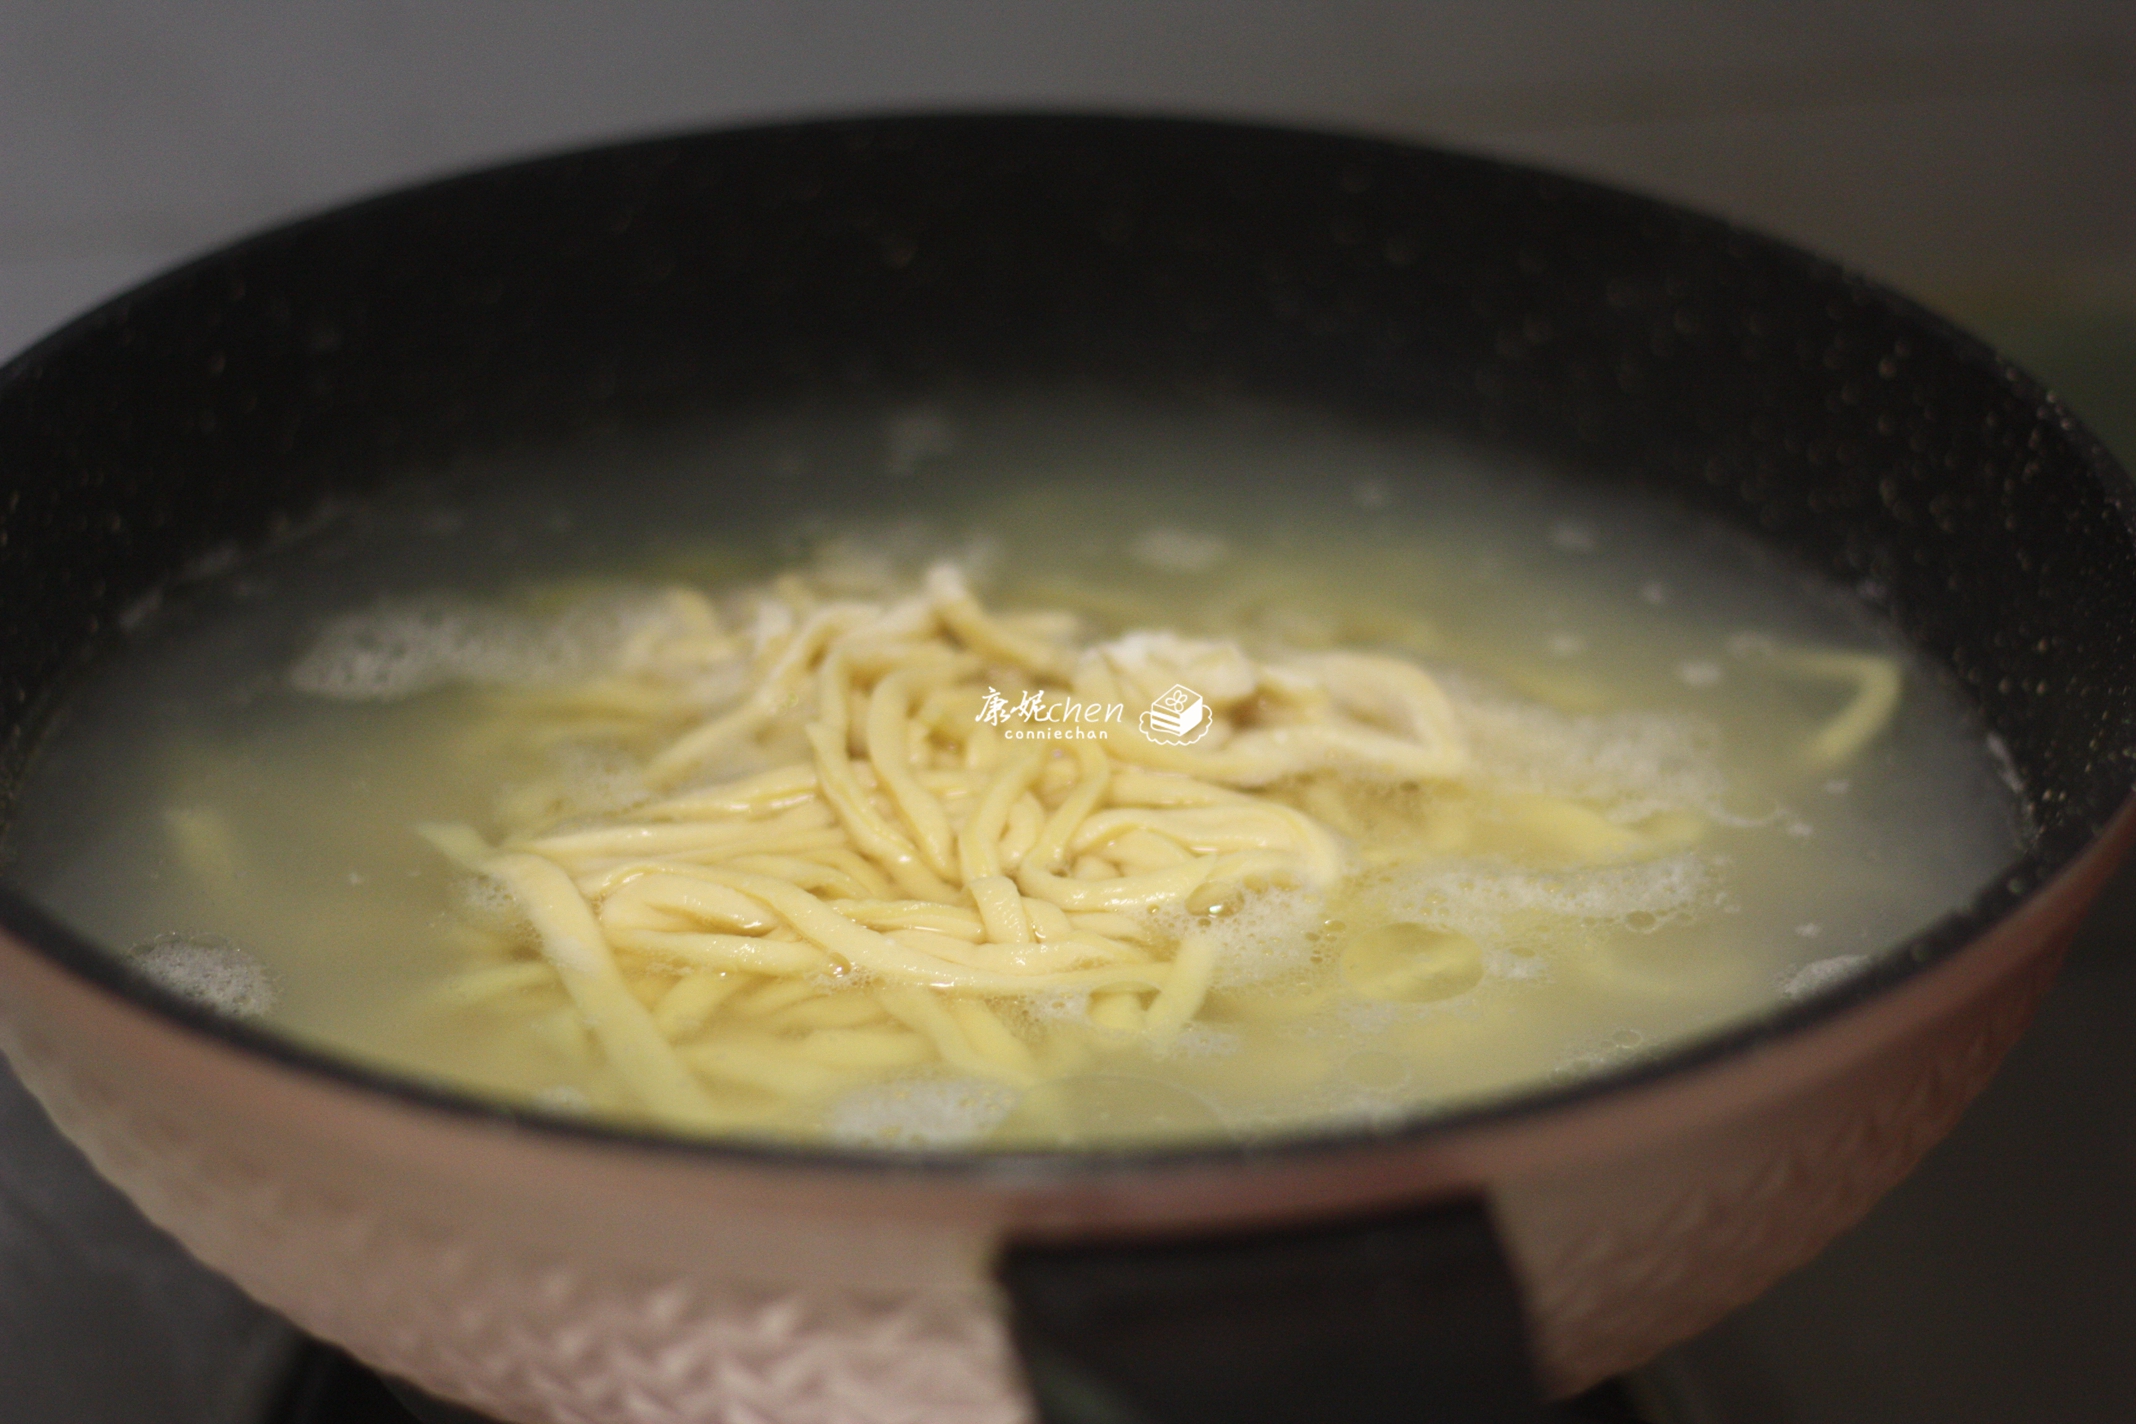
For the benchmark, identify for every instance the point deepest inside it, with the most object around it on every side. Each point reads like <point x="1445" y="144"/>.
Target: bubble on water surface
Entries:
<point x="207" y="969"/>
<point x="920" y="1113"/>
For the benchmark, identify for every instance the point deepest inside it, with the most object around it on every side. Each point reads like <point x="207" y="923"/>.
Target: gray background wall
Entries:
<point x="1947" y="144"/>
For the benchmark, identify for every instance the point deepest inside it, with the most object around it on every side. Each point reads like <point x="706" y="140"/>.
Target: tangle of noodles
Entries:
<point x="919" y="836"/>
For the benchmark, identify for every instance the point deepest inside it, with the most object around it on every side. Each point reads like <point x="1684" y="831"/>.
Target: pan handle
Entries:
<point x="1410" y="1317"/>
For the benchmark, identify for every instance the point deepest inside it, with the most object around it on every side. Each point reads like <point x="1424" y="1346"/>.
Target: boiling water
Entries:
<point x="231" y="800"/>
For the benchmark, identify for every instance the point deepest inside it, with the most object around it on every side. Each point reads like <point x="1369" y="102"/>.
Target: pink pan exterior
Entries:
<point x="551" y="1278"/>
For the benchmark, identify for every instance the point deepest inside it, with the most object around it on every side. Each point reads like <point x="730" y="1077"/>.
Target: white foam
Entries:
<point x="1699" y="672"/>
<point x="404" y="646"/>
<point x="1500" y="963"/>
<point x="401" y="648"/>
<point x="1628" y="765"/>
<point x="1267" y="937"/>
<point x="487" y="903"/>
<point x="920" y="1112"/>
<point x="599" y="781"/>
<point x="1058" y="1005"/>
<point x="1480" y="898"/>
<point x="1366" y="1018"/>
<point x="1590" y="1057"/>
<point x="209" y="970"/>
<point x="564" y="1097"/>
<point x="1820" y="974"/>
<point x="1196" y="1039"/>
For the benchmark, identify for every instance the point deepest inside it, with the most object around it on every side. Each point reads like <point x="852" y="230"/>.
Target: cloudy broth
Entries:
<point x="1490" y="782"/>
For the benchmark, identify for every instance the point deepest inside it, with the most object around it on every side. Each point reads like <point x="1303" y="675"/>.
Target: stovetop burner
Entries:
<point x="327" y="1387"/>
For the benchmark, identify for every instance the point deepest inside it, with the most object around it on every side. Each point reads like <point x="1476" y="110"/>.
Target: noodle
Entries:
<point x="909" y="891"/>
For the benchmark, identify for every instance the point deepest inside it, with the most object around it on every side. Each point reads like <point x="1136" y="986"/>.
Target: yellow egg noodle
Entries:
<point x="856" y="861"/>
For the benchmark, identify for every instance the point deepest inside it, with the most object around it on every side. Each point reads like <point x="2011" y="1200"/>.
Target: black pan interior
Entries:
<point x="558" y="304"/>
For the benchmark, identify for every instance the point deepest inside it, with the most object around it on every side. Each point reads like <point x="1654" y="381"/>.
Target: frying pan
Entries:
<point x="1461" y="1267"/>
